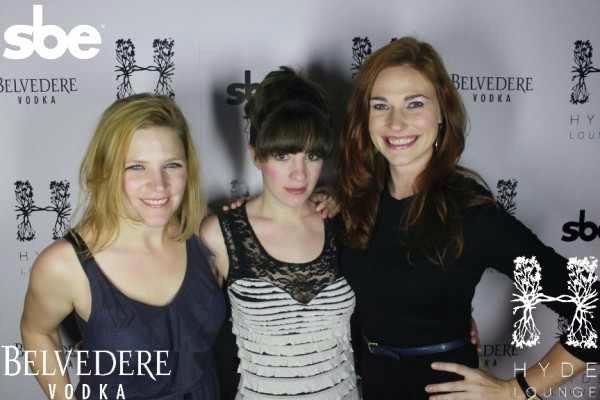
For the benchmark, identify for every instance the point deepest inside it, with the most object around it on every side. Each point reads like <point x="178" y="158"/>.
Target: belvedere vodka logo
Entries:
<point x="24" y="40"/>
<point x="164" y="65"/>
<point x="481" y="88"/>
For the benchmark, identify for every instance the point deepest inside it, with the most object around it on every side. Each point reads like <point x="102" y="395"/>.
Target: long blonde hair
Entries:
<point x="102" y="167"/>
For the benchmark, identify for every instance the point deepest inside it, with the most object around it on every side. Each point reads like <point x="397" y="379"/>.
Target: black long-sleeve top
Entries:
<point x="421" y="303"/>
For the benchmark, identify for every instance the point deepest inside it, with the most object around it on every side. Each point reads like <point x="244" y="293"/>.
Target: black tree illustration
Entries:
<point x="582" y="56"/>
<point x="59" y="199"/>
<point x="361" y="49"/>
<point x="507" y="191"/>
<point x="59" y="203"/>
<point x="125" y="55"/>
<point x="163" y="64"/>
<point x="24" y="208"/>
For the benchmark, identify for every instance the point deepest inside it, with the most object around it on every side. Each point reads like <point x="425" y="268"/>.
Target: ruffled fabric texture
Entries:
<point x="292" y="350"/>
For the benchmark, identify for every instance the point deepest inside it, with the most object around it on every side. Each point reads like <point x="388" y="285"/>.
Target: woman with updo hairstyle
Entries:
<point x="132" y="270"/>
<point x="277" y="257"/>
<point x="418" y="232"/>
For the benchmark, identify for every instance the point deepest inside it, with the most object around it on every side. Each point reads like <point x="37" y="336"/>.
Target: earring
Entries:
<point x="436" y="144"/>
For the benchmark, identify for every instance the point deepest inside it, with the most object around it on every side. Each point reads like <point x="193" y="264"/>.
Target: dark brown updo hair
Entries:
<point x="289" y="114"/>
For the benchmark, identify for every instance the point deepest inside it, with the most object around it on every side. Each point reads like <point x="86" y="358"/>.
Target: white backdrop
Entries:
<point x="535" y="136"/>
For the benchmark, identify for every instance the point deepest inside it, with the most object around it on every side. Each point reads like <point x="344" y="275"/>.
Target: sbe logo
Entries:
<point x="240" y="92"/>
<point x="586" y="230"/>
<point x="24" y="40"/>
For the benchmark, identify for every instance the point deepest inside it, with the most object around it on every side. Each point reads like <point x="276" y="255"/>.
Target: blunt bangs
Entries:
<point x="297" y="126"/>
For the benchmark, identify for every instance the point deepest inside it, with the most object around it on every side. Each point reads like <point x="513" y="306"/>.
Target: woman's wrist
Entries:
<point x="521" y="388"/>
<point x="516" y="393"/>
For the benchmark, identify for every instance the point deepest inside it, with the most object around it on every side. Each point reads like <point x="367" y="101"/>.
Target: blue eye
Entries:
<point x="135" y="167"/>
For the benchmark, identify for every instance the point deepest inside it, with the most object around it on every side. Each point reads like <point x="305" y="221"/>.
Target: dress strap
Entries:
<point x="84" y="255"/>
<point x="232" y="226"/>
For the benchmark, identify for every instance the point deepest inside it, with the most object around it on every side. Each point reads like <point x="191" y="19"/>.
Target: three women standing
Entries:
<point x="418" y="231"/>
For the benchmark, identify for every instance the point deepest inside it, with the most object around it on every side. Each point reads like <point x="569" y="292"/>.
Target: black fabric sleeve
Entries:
<point x="504" y="238"/>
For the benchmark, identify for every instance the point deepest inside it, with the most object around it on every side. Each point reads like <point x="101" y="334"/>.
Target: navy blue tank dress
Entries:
<point x="184" y="330"/>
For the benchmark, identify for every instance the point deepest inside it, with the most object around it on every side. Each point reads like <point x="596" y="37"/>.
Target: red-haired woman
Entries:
<point x="419" y="230"/>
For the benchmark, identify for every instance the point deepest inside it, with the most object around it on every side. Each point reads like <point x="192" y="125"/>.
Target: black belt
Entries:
<point x="397" y="352"/>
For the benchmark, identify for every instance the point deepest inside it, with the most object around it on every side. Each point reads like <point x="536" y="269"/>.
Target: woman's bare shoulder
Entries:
<point x="57" y="264"/>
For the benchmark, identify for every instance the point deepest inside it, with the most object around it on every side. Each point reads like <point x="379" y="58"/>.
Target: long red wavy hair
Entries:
<point x="441" y="190"/>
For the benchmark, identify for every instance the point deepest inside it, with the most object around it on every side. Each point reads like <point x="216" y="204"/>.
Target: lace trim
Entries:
<point x="247" y="259"/>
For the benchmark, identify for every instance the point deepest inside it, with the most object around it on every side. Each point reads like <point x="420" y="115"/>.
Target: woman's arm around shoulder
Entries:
<point x="212" y="237"/>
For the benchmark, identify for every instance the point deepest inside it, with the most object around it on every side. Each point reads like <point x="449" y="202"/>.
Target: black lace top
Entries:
<point x="291" y="320"/>
<point x="248" y="259"/>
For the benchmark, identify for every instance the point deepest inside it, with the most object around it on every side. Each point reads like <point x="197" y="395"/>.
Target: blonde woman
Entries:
<point x="132" y="270"/>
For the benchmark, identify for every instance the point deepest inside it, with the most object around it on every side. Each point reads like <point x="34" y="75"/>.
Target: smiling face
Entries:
<point x="155" y="176"/>
<point x="291" y="178"/>
<point x="404" y="116"/>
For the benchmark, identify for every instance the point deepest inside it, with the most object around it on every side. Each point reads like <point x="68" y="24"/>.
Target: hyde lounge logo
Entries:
<point x="48" y="42"/>
<point x="583" y="68"/>
<point x="26" y="206"/>
<point x="28" y="210"/>
<point x="583" y="124"/>
<point x="480" y="88"/>
<point x="163" y="65"/>
<point x="507" y="192"/>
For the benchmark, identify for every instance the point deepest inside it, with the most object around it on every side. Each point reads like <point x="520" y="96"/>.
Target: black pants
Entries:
<point x="385" y="378"/>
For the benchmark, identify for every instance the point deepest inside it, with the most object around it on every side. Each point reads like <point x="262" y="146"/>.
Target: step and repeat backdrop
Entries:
<point x="528" y="72"/>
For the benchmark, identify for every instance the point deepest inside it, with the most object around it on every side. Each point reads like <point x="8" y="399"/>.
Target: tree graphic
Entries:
<point x="25" y="207"/>
<point x="125" y="54"/>
<point x="163" y="64"/>
<point x="361" y="49"/>
<point x="527" y="282"/>
<point x="582" y="275"/>
<point x="59" y="200"/>
<point x="507" y="191"/>
<point x="582" y="56"/>
<point x="239" y="189"/>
